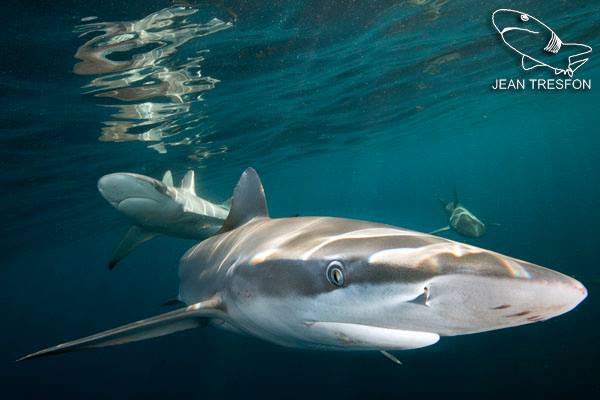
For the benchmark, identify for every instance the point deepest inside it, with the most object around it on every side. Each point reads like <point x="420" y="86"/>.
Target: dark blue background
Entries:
<point x="360" y="109"/>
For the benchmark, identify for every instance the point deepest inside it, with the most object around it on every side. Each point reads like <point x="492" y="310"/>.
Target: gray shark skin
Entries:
<point x="461" y="219"/>
<point x="156" y="207"/>
<point x="341" y="284"/>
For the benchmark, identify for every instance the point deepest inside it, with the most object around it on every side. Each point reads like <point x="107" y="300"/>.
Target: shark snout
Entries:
<point x="554" y="290"/>
<point x="474" y="303"/>
<point x="464" y="289"/>
<point x="505" y="20"/>
<point x="115" y="187"/>
<point x="552" y="298"/>
<point x="574" y="292"/>
<point x="534" y="292"/>
<point x="500" y="20"/>
<point x="118" y="187"/>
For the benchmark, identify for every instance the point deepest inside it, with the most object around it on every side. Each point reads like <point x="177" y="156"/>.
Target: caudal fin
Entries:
<point x="184" y="318"/>
<point x="578" y="54"/>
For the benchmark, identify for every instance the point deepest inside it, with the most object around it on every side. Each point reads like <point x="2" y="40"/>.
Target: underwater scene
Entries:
<point x="300" y="199"/>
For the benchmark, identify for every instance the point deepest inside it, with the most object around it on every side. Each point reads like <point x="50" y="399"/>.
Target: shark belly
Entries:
<point x="268" y="319"/>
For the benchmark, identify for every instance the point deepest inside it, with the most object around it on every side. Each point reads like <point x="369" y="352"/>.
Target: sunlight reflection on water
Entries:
<point x="152" y="91"/>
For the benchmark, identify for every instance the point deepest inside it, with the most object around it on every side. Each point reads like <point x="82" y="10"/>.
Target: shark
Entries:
<point x="461" y="219"/>
<point x="537" y="44"/>
<point x="158" y="207"/>
<point x="330" y="283"/>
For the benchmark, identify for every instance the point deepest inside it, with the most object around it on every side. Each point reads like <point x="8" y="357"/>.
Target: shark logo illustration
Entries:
<point x="538" y="45"/>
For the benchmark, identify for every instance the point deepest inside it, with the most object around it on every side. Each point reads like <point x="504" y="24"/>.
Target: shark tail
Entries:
<point x="193" y="316"/>
<point x="578" y="54"/>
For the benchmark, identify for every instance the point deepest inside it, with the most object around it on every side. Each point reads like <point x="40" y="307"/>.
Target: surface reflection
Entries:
<point x="151" y="86"/>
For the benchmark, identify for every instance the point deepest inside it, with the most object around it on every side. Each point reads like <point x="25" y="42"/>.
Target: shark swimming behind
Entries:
<point x="158" y="207"/>
<point x="461" y="219"/>
<point x="341" y="284"/>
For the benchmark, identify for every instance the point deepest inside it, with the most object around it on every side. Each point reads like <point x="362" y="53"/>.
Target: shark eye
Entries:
<point x="524" y="17"/>
<point x="335" y="273"/>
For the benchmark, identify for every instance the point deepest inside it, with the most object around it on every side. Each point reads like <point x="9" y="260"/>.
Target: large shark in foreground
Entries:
<point x="342" y="284"/>
<point x="156" y="207"/>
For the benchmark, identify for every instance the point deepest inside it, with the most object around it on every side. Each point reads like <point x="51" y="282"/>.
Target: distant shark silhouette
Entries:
<point x="156" y="207"/>
<point x="461" y="219"/>
<point x="538" y="45"/>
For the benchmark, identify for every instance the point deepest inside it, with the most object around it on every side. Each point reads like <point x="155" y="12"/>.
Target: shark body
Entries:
<point x="158" y="207"/>
<point x="341" y="284"/>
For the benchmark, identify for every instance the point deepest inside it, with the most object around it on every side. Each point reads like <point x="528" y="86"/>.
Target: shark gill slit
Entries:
<point x="554" y="44"/>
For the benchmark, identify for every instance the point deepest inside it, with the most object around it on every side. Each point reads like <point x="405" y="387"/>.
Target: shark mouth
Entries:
<point x="554" y="44"/>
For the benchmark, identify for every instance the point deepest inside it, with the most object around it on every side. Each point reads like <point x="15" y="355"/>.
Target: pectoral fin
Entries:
<point x="445" y="228"/>
<point x="391" y="357"/>
<point x="529" y="63"/>
<point x="184" y="318"/>
<point x="367" y="337"/>
<point x="132" y="239"/>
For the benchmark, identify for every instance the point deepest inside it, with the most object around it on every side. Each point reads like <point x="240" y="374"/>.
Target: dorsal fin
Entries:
<point x="248" y="201"/>
<point x="168" y="178"/>
<point x="456" y="202"/>
<point x="189" y="182"/>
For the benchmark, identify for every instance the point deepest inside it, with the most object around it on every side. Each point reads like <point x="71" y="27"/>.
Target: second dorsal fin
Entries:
<point x="248" y="201"/>
<point x="189" y="182"/>
<point x="168" y="178"/>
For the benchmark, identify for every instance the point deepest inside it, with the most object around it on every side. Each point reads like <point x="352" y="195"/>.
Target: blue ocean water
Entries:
<point x="361" y="109"/>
